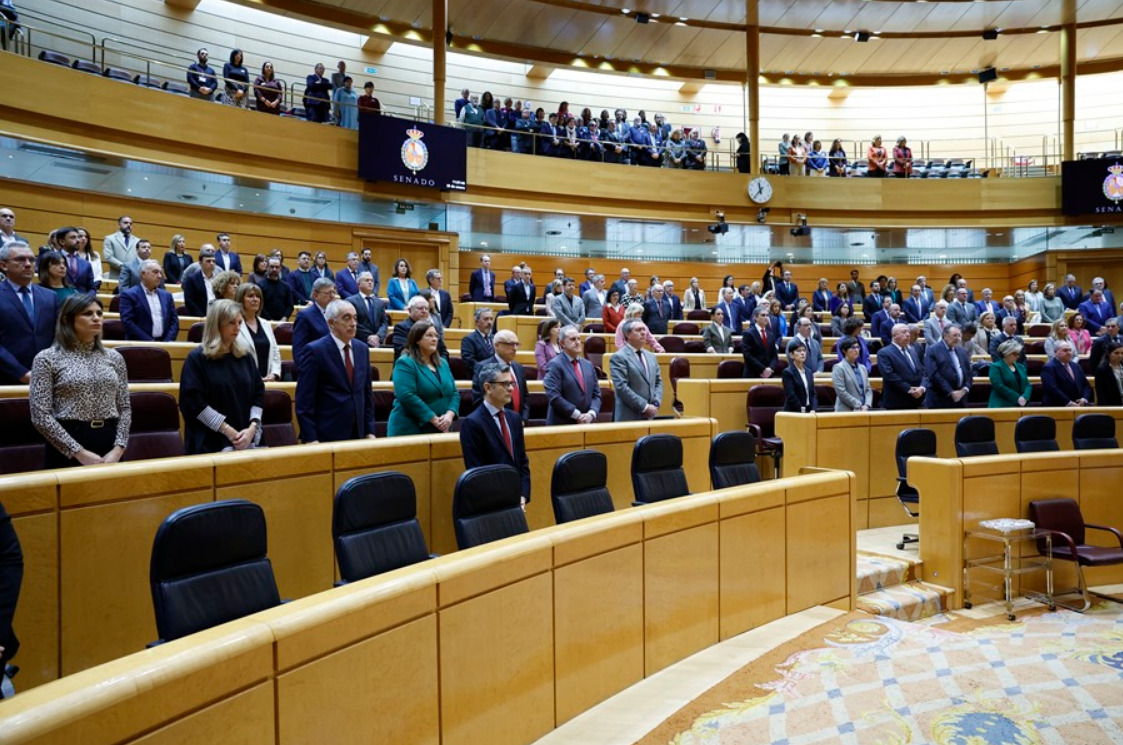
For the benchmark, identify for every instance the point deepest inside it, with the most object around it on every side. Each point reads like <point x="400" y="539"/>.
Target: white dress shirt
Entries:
<point x="157" y="310"/>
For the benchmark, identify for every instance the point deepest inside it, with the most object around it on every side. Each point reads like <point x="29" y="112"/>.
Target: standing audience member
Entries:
<point x="787" y="292"/>
<point x="225" y="259"/>
<point x="636" y="378"/>
<point x="267" y="90"/>
<point x="87" y="253"/>
<point x="799" y="381"/>
<point x="277" y="296"/>
<point x="1109" y="377"/>
<point x="130" y="271"/>
<point x="1058" y="332"/>
<point x="1078" y="333"/>
<point x="1052" y="307"/>
<point x="368" y="104"/>
<point x="8" y="232"/>
<point x="481" y="284"/>
<point x="201" y="77"/>
<point x="1033" y="296"/>
<point x="176" y="259"/>
<point x="425" y="397"/>
<point x="1009" y="383"/>
<point x="1009" y="333"/>
<point x="760" y="346"/>
<point x="29" y="314"/>
<point x="568" y="307"/>
<point x="1110" y="336"/>
<point x="851" y="380"/>
<point x="635" y="310"/>
<point x="506" y="349"/>
<point x="147" y="310"/>
<point x="594" y="298"/>
<point x="716" y="336"/>
<point x="346" y="102"/>
<point x="401" y="288"/>
<point x="478" y="346"/>
<point x="904" y="384"/>
<point x="657" y="312"/>
<point x="744" y="153"/>
<point x="372" y="319"/>
<point x="548" y="345"/>
<point x="347" y="278"/>
<point x="1070" y="293"/>
<point x="258" y="333"/>
<point x="695" y="297"/>
<point x="1063" y="383"/>
<point x="571" y="384"/>
<point x="78" y="271"/>
<point x="221" y="393"/>
<point x="337" y="79"/>
<point x="53" y="276"/>
<point x="878" y="159"/>
<point x="418" y="310"/>
<point x="236" y="78"/>
<point x="366" y="264"/>
<point x="612" y="313"/>
<point x="902" y="159"/>
<point x="1096" y="311"/>
<point x="198" y="292"/>
<point x="302" y="279"/>
<point x="334" y="400"/>
<point x="492" y="434"/>
<point x="317" y="95"/>
<point x="841" y="316"/>
<point x="312" y="322"/>
<point x="441" y="299"/>
<point x="79" y="391"/>
<point x="805" y="335"/>
<point x="948" y="369"/>
<point x="837" y="156"/>
<point x="11" y="577"/>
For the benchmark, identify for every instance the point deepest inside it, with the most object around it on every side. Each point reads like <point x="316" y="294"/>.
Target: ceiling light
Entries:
<point x="625" y="11"/>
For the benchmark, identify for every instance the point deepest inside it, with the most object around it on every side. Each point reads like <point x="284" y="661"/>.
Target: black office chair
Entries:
<point x="915" y="442"/>
<point x="1036" y="434"/>
<point x="209" y="566"/>
<point x="657" y="469"/>
<point x="374" y="526"/>
<point x="733" y="460"/>
<point x="974" y="435"/>
<point x="1094" y="432"/>
<point x="486" y="506"/>
<point x="1063" y="518"/>
<point x="578" y="487"/>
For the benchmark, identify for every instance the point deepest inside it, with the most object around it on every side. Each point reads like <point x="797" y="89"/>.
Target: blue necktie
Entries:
<point x="370" y="312"/>
<point x="25" y="297"/>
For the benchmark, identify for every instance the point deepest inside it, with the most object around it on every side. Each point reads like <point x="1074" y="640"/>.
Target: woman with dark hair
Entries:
<point x="491" y="121"/>
<point x="842" y="297"/>
<point x="267" y="90"/>
<point x="79" y="390"/>
<point x="852" y="328"/>
<point x="52" y="275"/>
<point x="743" y="154"/>
<point x="425" y="396"/>
<point x="221" y="393"/>
<point x="717" y="337"/>
<point x="85" y="251"/>
<point x="1109" y="377"/>
<point x="799" y="381"/>
<point x="771" y="276"/>
<point x="176" y="259"/>
<point x="1078" y="333"/>
<point x="401" y="286"/>
<point x="837" y="157"/>
<point x="727" y="281"/>
<point x="320" y="266"/>
<point x="892" y="290"/>
<point x="612" y="313"/>
<point x="548" y="345"/>
<point x="258" y="333"/>
<point x="839" y="317"/>
<point x="260" y="266"/>
<point x="237" y="80"/>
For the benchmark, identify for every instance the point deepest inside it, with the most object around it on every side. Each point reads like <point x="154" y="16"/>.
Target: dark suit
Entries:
<point x="915" y="310"/>
<point x="330" y="408"/>
<point x="300" y="282"/>
<point x="277" y="300"/>
<point x="11" y="577"/>
<point x="1070" y="296"/>
<point x="676" y="306"/>
<point x="227" y="262"/>
<point x="1096" y="353"/>
<point x="520" y="302"/>
<point x="996" y="341"/>
<point x="476" y="286"/>
<point x="20" y="339"/>
<point x="871" y="305"/>
<point x="1107" y="390"/>
<point x="757" y="354"/>
<point x="481" y="442"/>
<point x="787" y="293"/>
<point x="942" y="378"/>
<point x="1059" y="388"/>
<point x="368" y="324"/>
<point x="370" y="266"/>
<point x="195" y="295"/>
<point x="898" y="376"/>
<point x="1096" y="315"/>
<point x="137" y="316"/>
<point x="797" y="388"/>
<point x="565" y="395"/>
<point x="656" y="321"/>
<point x="401" y="334"/>
<point x="474" y="349"/>
<point x="444" y="301"/>
<point x="346" y="284"/>
<point x="732" y="319"/>
<point x="520" y="381"/>
<point x="309" y="326"/>
<point x="743" y="308"/>
<point x="83" y="278"/>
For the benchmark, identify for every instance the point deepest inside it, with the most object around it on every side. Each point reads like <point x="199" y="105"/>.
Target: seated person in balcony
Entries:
<point x="334" y="400"/>
<point x="760" y="346"/>
<point x="695" y="150"/>
<point x="53" y="276"/>
<point x="491" y="434"/>
<point x="201" y="77"/>
<point x="148" y="310"/>
<point x="425" y="397"/>
<point x="29" y="314"/>
<point x="130" y="271"/>
<point x="302" y="279"/>
<point x="267" y="90"/>
<point x="276" y="293"/>
<point x="1063" y="383"/>
<point x="317" y="95"/>
<point x="571" y="383"/>
<point x="197" y="291"/>
<point x="346" y="102"/>
<point x="418" y="310"/>
<point x="368" y="104"/>
<point x="236" y="79"/>
<point x="80" y="391"/>
<point x="311" y="323"/>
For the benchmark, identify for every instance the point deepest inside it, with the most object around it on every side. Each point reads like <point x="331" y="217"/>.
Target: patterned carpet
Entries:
<point x="949" y="680"/>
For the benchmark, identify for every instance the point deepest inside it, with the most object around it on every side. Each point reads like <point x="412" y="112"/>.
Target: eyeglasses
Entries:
<point x="508" y="343"/>
<point x="504" y="383"/>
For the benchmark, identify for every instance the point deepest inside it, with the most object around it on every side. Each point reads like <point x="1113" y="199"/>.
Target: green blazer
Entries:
<point x="419" y="395"/>
<point x="1006" y="386"/>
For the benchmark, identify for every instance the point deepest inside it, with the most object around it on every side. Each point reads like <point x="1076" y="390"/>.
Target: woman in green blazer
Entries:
<point x="425" y="396"/>
<point x="1009" y="383"/>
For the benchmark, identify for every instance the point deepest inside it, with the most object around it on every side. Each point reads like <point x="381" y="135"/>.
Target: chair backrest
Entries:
<point x="113" y="329"/>
<point x="826" y="396"/>
<point x="730" y="369"/>
<point x="672" y="344"/>
<point x="209" y="566"/>
<point x="578" y="487"/>
<point x="912" y="442"/>
<point x="374" y="525"/>
<point x="761" y="404"/>
<point x="1062" y="514"/>
<point x="1036" y="434"/>
<point x="974" y="435"/>
<point x="283" y="333"/>
<point x="172" y="86"/>
<point x="114" y="73"/>
<point x="458" y="368"/>
<point x="695" y="347"/>
<point x="115" y="303"/>
<point x="594" y="350"/>
<point x="54" y="58"/>
<point x="277" y="429"/>
<point x="485" y="506"/>
<point x="195" y="333"/>
<point x="1094" y="432"/>
<point x="607" y="405"/>
<point x="147" y="364"/>
<point x="680" y="368"/>
<point x="657" y="469"/>
<point x="1034" y="366"/>
<point x="540" y="408"/>
<point x="686" y="328"/>
<point x="979" y="395"/>
<point x="698" y="315"/>
<point x="155" y="427"/>
<point x="21" y="446"/>
<point x="383" y="405"/>
<point x="594" y="328"/>
<point x="733" y="460"/>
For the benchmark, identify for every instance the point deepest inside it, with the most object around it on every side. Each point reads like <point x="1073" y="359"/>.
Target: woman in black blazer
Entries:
<point x="799" y="381"/>
<point x="1109" y="377"/>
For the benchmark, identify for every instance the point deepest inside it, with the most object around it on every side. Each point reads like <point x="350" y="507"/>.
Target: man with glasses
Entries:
<point x="493" y="434"/>
<point x="29" y="314"/>
<point x="506" y="349"/>
<point x="571" y="384"/>
<point x="373" y="321"/>
<point x="440" y="297"/>
<point x="312" y="322"/>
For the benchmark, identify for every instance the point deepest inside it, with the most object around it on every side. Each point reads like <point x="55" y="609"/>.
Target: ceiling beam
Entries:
<point x="539" y="72"/>
<point x="377" y="44"/>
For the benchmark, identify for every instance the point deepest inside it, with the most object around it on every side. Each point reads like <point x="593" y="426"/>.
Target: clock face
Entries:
<point x="760" y="190"/>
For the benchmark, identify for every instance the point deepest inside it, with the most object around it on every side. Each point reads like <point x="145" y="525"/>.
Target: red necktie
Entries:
<point x="347" y="363"/>
<point x="515" y="393"/>
<point x="506" y="433"/>
<point x="577" y="374"/>
<point x="763" y="339"/>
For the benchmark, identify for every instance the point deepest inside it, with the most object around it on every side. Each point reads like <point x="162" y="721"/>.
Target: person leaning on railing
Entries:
<point x="837" y="156"/>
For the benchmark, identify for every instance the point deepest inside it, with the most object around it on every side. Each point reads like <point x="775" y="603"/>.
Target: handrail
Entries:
<point x="30" y="42"/>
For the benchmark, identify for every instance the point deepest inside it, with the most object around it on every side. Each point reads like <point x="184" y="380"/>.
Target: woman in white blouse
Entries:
<point x="258" y="333"/>
<point x="694" y="298"/>
<point x="90" y="255"/>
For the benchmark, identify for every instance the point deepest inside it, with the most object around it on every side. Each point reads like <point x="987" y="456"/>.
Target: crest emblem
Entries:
<point x="415" y="155"/>
<point x="1113" y="184"/>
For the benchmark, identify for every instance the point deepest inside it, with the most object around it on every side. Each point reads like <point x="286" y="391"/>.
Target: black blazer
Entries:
<point x="174" y="264"/>
<point x="941" y="376"/>
<point x="482" y="444"/>
<point x="1058" y="388"/>
<point x="757" y="357"/>
<point x="1107" y="389"/>
<point x="195" y="295"/>
<point x="898" y="376"/>
<point x="520" y="380"/>
<point x="474" y="349"/>
<point x="368" y="326"/>
<point x="518" y="303"/>
<point x="11" y="576"/>
<point x="796" y="388"/>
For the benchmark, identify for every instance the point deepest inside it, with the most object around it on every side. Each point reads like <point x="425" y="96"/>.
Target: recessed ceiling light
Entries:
<point x="625" y="11"/>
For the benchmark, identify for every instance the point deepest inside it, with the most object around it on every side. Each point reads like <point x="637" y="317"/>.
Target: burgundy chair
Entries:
<point x="727" y="369"/>
<point x="530" y="371"/>
<point x="685" y="328"/>
<point x="155" y="427"/>
<point x="680" y="368"/>
<point x="21" y="446"/>
<point x="288" y="371"/>
<point x="539" y="406"/>
<point x="594" y="328"/>
<point x="458" y="368"/>
<point x="761" y="404"/>
<point x="1062" y="518"/>
<point x="695" y="347"/>
<point x="1033" y="367"/>
<point x="698" y="315"/>
<point x="283" y="333"/>
<point x="825" y="330"/>
<point x="277" y="429"/>
<point x="147" y="364"/>
<point x="607" y="405"/>
<point x="113" y="329"/>
<point x="979" y="395"/>
<point x="826" y="397"/>
<point x="383" y="403"/>
<point x="829" y="363"/>
<point x="594" y="351"/>
<point x="1034" y="347"/>
<point x="375" y="376"/>
<point x="672" y="344"/>
<point x="1039" y="330"/>
<point x="195" y="333"/>
<point x="115" y="304"/>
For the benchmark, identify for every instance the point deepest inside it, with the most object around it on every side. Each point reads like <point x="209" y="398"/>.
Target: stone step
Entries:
<point x="909" y="601"/>
<point x="877" y="571"/>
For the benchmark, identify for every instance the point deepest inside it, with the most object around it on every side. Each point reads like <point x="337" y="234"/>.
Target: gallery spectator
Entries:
<point x="201" y="77"/>
<point x="346" y="103"/>
<point x="837" y="157"/>
<point x="236" y="78"/>
<point x="267" y="90"/>
<point x="743" y="154"/>
<point x="317" y="95"/>
<point x="368" y="104"/>
<point x="817" y="160"/>
<point x="902" y="159"/>
<point x="877" y="158"/>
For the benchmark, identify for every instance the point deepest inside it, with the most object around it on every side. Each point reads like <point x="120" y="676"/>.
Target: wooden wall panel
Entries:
<point x="37" y="615"/>
<point x="823" y="568"/>
<point x="245" y="718"/>
<point x="753" y="585"/>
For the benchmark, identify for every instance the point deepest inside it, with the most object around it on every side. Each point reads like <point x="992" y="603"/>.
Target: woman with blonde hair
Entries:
<point x="221" y="393"/>
<point x="176" y="259"/>
<point x="1052" y="307"/>
<point x="635" y="310"/>
<point x="694" y="298"/>
<point x="1058" y="333"/>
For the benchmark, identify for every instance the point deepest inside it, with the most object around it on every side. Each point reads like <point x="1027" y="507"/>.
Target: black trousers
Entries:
<point x="98" y="437"/>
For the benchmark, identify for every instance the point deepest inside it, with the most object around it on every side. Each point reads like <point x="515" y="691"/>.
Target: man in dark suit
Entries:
<point x="334" y="400"/>
<point x="881" y="317"/>
<point x="506" y="349"/>
<point x="856" y="288"/>
<point x="367" y="265"/>
<point x="902" y="372"/>
<point x="571" y="384"/>
<point x="743" y="306"/>
<point x="302" y="279"/>
<point x="78" y="270"/>
<point x="1099" y="346"/>
<point x="347" y="278"/>
<point x="441" y="297"/>
<point x="871" y="303"/>
<point x="371" y="312"/>
<point x="138" y="303"/>
<point x="760" y="346"/>
<point x="787" y="292"/>
<point x="673" y="300"/>
<point x="28" y="311"/>
<point x="893" y="318"/>
<point x="1096" y="312"/>
<point x="915" y="306"/>
<point x="312" y="323"/>
<point x="1099" y="284"/>
<point x="130" y="271"/>
<point x="989" y="304"/>
<point x="520" y="295"/>
<point x="620" y="285"/>
<point x="731" y="313"/>
<point x="225" y="259"/>
<point x="516" y="278"/>
<point x="493" y="434"/>
<point x="587" y="285"/>
<point x="1062" y="381"/>
<point x="1009" y="331"/>
<point x="657" y="312"/>
<point x="1070" y="294"/>
<point x="478" y="345"/>
<point x="418" y="310"/>
<point x="948" y="367"/>
<point x="481" y="285"/>
<point x="197" y="293"/>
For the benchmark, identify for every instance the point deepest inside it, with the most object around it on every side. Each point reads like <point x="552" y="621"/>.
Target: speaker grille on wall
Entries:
<point x="990" y="34"/>
<point x="988" y="75"/>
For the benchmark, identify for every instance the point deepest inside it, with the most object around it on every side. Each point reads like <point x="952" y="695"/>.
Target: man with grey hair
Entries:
<point x="506" y="350"/>
<point x="568" y="307"/>
<point x="904" y="382"/>
<point x="805" y="333"/>
<point x="417" y="309"/>
<point x="197" y="292"/>
<point x="935" y="325"/>
<point x="147" y="310"/>
<point x="594" y="298"/>
<point x="29" y="314"/>
<point x="371" y="312"/>
<point x="636" y="379"/>
<point x="622" y="284"/>
<point x="571" y="383"/>
<point x="657" y="312"/>
<point x="478" y="345"/>
<point x="948" y="368"/>
<point x="311" y="323"/>
<point x="962" y="311"/>
<point x="673" y="300"/>
<point x="731" y="318"/>
<point x="493" y="434"/>
<point x="441" y="299"/>
<point x="130" y="271"/>
<point x="1009" y="332"/>
<point x="347" y="278"/>
<point x="1070" y="293"/>
<point x="1097" y="284"/>
<point x="1063" y="383"/>
<point x="334" y="399"/>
